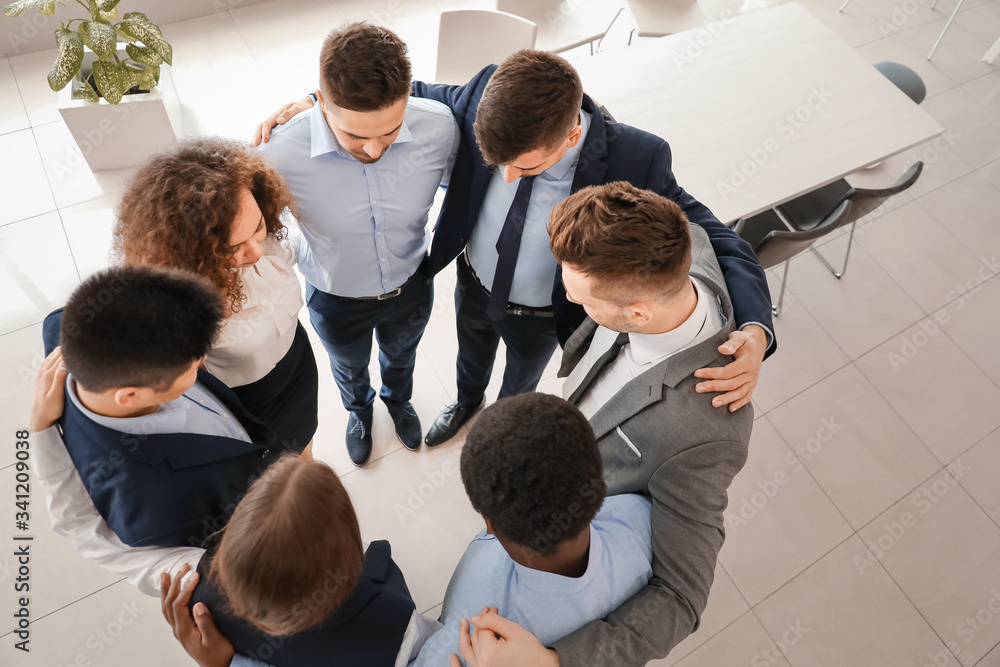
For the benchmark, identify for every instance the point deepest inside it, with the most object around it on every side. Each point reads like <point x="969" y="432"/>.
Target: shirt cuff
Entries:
<point x="48" y="452"/>
<point x="770" y="334"/>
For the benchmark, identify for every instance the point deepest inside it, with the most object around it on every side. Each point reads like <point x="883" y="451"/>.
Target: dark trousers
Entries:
<point x="345" y="326"/>
<point x="530" y="341"/>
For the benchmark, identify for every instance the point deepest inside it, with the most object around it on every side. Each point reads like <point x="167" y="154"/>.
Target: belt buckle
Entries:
<point x="517" y="310"/>
<point x="389" y="295"/>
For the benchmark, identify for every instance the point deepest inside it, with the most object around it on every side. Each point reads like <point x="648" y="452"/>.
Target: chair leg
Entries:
<point x="776" y="310"/>
<point x="946" y="26"/>
<point x="846" y="2"/>
<point x="610" y="26"/>
<point x="630" y="34"/>
<point x="847" y="256"/>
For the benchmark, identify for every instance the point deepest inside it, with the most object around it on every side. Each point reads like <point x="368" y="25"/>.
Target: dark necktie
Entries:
<point x="598" y="366"/>
<point x="508" y="246"/>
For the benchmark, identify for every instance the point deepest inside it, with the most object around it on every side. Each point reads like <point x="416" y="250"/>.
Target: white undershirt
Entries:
<point x="643" y="351"/>
<point x="255" y="339"/>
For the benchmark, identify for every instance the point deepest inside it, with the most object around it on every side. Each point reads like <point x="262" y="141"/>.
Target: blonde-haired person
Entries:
<point x="250" y="602"/>
<point x="212" y="206"/>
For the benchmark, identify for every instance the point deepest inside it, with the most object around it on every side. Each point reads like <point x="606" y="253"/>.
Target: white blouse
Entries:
<point x="255" y="339"/>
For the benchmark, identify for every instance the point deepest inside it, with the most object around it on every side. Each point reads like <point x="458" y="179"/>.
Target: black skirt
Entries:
<point x="286" y="399"/>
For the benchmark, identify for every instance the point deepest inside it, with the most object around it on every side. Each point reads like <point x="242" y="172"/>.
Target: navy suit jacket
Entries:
<point x="366" y="630"/>
<point x="168" y="489"/>
<point x="611" y="152"/>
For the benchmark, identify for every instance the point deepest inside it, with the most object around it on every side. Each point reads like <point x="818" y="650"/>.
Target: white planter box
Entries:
<point x="113" y="136"/>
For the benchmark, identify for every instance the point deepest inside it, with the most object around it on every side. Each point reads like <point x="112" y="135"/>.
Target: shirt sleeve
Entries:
<point x="75" y="518"/>
<point x="417" y="633"/>
<point x="745" y="279"/>
<point x="240" y="660"/>
<point x="456" y="139"/>
<point x="688" y="499"/>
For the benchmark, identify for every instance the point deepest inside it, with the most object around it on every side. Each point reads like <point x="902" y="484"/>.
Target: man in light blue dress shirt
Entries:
<point x="552" y="557"/>
<point x="364" y="165"/>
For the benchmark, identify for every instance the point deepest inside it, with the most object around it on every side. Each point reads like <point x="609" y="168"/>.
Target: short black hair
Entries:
<point x="532" y="467"/>
<point x="138" y="326"/>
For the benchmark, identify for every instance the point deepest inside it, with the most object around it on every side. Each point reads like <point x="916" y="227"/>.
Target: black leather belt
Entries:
<point x="394" y="293"/>
<point x="512" y="308"/>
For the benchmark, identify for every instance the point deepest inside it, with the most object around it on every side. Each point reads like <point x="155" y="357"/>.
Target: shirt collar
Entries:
<point x="567" y="162"/>
<point x="649" y="348"/>
<point x="169" y="417"/>
<point x="555" y="583"/>
<point x="323" y="141"/>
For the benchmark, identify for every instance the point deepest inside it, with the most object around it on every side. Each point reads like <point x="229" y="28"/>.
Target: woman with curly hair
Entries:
<point x="212" y="206"/>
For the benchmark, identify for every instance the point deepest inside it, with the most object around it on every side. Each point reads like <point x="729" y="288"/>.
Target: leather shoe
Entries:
<point x="447" y="424"/>
<point x="359" y="440"/>
<point x="407" y="426"/>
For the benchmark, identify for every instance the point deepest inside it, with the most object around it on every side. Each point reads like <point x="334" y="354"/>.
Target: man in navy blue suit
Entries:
<point x="530" y="138"/>
<point x="528" y="120"/>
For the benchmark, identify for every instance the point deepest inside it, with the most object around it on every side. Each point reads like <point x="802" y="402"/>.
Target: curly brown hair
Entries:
<point x="178" y="210"/>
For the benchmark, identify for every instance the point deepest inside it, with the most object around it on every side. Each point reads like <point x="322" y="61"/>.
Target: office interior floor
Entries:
<point x="864" y="528"/>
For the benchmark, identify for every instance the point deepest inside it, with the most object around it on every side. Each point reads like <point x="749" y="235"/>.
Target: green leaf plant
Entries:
<point x="114" y="75"/>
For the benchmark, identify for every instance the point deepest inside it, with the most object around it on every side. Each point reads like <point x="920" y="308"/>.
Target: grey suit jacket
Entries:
<point x="688" y="454"/>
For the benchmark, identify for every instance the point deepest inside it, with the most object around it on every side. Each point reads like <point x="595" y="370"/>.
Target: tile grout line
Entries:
<point x="70" y="604"/>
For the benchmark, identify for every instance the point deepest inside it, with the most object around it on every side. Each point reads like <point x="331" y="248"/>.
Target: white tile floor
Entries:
<point x="864" y="528"/>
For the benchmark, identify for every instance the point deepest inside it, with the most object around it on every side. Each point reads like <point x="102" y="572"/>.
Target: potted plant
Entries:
<point x="111" y="94"/>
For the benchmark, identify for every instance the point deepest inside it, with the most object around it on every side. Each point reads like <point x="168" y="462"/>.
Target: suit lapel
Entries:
<point x="576" y="347"/>
<point x="593" y="162"/>
<point x="634" y="397"/>
<point x="648" y="387"/>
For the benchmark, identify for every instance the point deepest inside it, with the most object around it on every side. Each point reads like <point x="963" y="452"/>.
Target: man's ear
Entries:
<point x="319" y="98"/>
<point x="640" y="313"/>
<point x="129" y="397"/>
<point x="574" y="137"/>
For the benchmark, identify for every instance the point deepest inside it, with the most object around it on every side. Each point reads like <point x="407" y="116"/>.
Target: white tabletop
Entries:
<point x="757" y="110"/>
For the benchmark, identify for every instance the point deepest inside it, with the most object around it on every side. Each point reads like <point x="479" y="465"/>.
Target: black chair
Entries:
<point x="773" y="242"/>
<point x="806" y="212"/>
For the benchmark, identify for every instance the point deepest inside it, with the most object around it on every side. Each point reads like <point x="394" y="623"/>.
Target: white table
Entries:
<point x="758" y="110"/>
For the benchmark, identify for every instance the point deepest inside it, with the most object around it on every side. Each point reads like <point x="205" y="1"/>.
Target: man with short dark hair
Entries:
<point x="364" y="165"/>
<point x="531" y="137"/>
<point x="555" y="554"/>
<point x="658" y="309"/>
<point x="163" y="449"/>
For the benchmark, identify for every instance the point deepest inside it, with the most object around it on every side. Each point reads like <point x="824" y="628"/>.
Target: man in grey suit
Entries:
<point x="657" y="311"/>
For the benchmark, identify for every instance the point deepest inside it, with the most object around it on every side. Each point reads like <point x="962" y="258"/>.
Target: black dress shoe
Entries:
<point x="447" y="424"/>
<point x="407" y="426"/>
<point x="359" y="440"/>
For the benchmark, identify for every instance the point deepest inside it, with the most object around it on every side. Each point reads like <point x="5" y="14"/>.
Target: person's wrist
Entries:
<point x="756" y="331"/>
